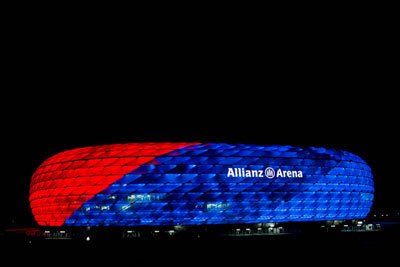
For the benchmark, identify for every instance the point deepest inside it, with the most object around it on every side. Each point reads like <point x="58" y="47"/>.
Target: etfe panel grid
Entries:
<point x="187" y="184"/>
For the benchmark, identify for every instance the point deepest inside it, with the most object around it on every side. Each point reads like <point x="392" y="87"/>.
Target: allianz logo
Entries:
<point x="268" y="172"/>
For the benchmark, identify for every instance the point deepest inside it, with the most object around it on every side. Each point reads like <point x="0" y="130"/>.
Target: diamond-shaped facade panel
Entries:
<point x="194" y="184"/>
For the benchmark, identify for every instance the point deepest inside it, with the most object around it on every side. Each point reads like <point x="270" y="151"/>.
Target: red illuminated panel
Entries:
<point x="65" y="181"/>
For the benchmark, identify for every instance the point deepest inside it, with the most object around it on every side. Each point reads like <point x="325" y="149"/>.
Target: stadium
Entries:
<point x="199" y="184"/>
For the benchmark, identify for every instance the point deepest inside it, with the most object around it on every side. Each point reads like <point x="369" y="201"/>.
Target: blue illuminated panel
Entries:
<point x="190" y="186"/>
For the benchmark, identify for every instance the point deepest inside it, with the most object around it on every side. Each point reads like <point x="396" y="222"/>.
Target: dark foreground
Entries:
<point x="333" y="243"/>
<point x="305" y="247"/>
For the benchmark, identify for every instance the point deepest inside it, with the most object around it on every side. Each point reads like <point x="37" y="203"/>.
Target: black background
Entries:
<point x="64" y="89"/>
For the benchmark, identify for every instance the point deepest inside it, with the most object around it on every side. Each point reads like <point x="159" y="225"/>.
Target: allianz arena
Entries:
<point x="199" y="184"/>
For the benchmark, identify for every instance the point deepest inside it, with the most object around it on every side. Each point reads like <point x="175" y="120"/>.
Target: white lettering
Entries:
<point x="242" y="172"/>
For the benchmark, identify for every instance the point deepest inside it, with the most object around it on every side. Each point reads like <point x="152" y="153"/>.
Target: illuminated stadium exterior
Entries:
<point x="154" y="184"/>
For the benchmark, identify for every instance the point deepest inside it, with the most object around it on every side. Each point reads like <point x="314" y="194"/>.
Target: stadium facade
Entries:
<point x="155" y="184"/>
